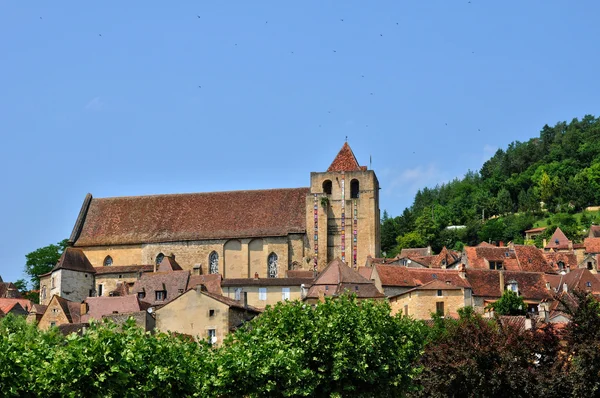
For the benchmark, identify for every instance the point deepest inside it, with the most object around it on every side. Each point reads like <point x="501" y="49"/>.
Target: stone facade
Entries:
<point x="121" y="255"/>
<point x="273" y="294"/>
<point x="142" y="319"/>
<point x="72" y="285"/>
<point x="54" y="316"/>
<point x="203" y="313"/>
<point x="420" y="304"/>
<point x="109" y="282"/>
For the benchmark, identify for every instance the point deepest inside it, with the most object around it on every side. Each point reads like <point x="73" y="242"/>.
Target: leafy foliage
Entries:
<point x="560" y="168"/>
<point x="509" y="304"/>
<point x="42" y="260"/>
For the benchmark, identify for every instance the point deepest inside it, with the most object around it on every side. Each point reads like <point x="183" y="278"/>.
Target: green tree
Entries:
<point x="547" y="187"/>
<point x="341" y="347"/>
<point x="42" y="260"/>
<point x="411" y="239"/>
<point x="389" y="233"/>
<point x="509" y="304"/>
<point x="505" y="203"/>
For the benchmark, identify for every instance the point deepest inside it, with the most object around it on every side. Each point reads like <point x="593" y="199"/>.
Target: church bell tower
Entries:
<point x="342" y="218"/>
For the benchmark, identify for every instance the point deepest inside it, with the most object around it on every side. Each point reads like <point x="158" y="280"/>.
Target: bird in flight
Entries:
<point x="199" y="86"/>
<point x="342" y="20"/>
<point x="362" y="75"/>
<point x="198" y="16"/>
<point x="381" y="34"/>
<point x="334" y="51"/>
<point x="99" y="34"/>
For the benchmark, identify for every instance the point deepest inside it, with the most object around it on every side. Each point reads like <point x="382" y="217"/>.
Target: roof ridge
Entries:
<point x="200" y="193"/>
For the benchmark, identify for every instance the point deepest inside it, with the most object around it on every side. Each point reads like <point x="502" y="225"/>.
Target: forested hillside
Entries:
<point x="542" y="181"/>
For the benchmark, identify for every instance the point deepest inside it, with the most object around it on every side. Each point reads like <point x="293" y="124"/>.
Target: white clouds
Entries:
<point x="95" y="104"/>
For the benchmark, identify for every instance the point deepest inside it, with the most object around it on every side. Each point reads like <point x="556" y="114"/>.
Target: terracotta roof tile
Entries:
<point x="558" y="240"/>
<point x="393" y="275"/>
<point x="485" y="244"/>
<point x="345" y="161"/>
<point x="577" y="279"/>
<point x="338" y="278"/>
<point x="486" y="283"/>
<point x="174" y="282"/>
<point x="531" y="259"/>
<point x="168" y="264"/>
<point x="74" y="260"/>
<point x="553" y="258"/>
<point x="100" y="306"/>
<point x="194" y="216"/>
<point x="299" y="274"/>
<point x="592" y="245"/>
<point x="415" y="252"/>
<point x="212" y="282"/>
<point x="8" y="304"/>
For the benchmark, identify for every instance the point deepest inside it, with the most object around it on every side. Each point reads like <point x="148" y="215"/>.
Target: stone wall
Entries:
<point x="142" y="319"/>
<point x="53" y="316"/>
<point x="422" y="303"/>
<point x="109" y="281"/>
<point x="121" y="255"/>
<point x="274" y="294"/>
<point x="72" y="285"/>
<point x="238" y="316"/>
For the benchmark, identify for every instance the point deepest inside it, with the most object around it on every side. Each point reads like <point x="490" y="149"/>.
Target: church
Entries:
<point x="240" y="234"/>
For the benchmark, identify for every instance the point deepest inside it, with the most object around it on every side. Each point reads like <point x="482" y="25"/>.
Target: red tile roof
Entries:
<point x="337" y="278"/>
<point x="592" y="245"/>
<point x="531" y="259"/>
<point x="477" y="256"/>
<point x="7" y="304"/>
<point x="212" y="282"/>
<point x="486" y="244"/>
<point x="486" y="283"/>
<point x="194" y="216"/>
<point x="345" y="161"/>
<point x="99" y="306"/>
<point x="394" y="275"/>
<point x="577" y="279"/>
<point x="567" y="258"/>
<point x="74" y="260"/>
<point x="168" y="264"/>
<point x="299" y="274"/>
<point x="174" y="282"/>
<point x="415" y="252"/>
<point x="558" y="240"/>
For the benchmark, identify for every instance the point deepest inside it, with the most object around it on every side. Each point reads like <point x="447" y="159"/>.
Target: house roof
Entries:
<point x="212" y="282"/>
<point x="365" y="272"/>
<point x="7" y="304"/>
<point x="399" y="276"/>
<point x="167" y="264"/>
<point x="99" y="306"/>
<point x="38" y="309"/>
<point x="299" y="274"/>
<point x="486" y="283"/>
<point x="174" y="282"/>
<point x="432" y="285"/>
<point x="345" y="161"/>
<point x="230" y="302"/>
<point x="415" y="252"/>
<point x="567" y="258"/>
<point x="75" y="260"/>
<point x="485" y="244"/>
<point x="576" y="279"/>
<point x="68" y="328"/>
<point x="592" y="245"/>
<point x="337" y="278"/>
<point x="558" y="240"/>
<point x="191" y="216"/>
<point x="231" y="282"/>
<point x="444" y="258"/>
<point x="123" y="269"/>
<point x="540" y="229"/>
<point x="531" y="259"/>
<point x="477" y="256"/>
<point x="8" y="289"/>
<point x="71" y="309"/>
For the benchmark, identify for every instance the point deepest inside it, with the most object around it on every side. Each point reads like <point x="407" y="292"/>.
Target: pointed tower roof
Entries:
<point x="74" y="260"/>
<point x="558" y="240"/>
<point x="345" y="161"/>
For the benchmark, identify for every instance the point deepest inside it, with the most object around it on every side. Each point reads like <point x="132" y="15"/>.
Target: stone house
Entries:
<point x="512" y="258"/>
<point x="116" y="280"/>
<point x="8" y="290"/>
<point x="207" y="315"/>
<point x="71" y="278"/>
<point x="240" y="233"/>
<point x="336" y="279"/>
<point x="36" y="313"/>
<point x="436" y="296"/>
<point x="261" y="292"/>
<point x="60" y="311"/>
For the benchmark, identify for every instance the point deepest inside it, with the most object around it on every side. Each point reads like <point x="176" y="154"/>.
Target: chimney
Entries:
<point x="501" y="280"/>
<point x="84" y="308"/>
<point x="528" y="324"/>
<point x="544" y="242"/>
<point x="245" y="299"/>
<point x="429" y="250"/>
<point x="461" y="271"/>
<point x="548" y="286"/>
<point x="565" y="287"/>
<point x="570" y="245"/>
<point x="501" y="244"/>
<point x="256" y="275"/>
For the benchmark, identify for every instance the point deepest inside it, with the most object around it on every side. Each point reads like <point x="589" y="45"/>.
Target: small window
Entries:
<point x="161" y="295"/>
<point x="590" y="266"/>
<point x="55" y="310"/>
<point x="262" y="293"/>
<point x="52" y="284"/>
<point x="141" y="295"/>
<point x="211" y="313"/>
<point x="406" y="310"/>
<point x="100" y="290"/>
<point x="120" y="276"/>
<point x="272" y="265"/>
<point x="43" y="293"/>
<point x="496" y="265"/>
<point x="561" y="265"/>
<point x="285" y="293"/>
<point x="52" y="324"/>
<point x="439" y="308"/>
<point x="354" y="189"/>
<point x="213" y="263"/>
<point x="238" y="293"/>
<point x="159" y="258"/>
<point x="440" y="293"/>
<point x="434" y="276"/>
<point x="356" y="288"/>
<point x="327" y="187"/>
<point x="108" y="261"/>
<point x="212" y="336"/>
<point x="588" y="284"/>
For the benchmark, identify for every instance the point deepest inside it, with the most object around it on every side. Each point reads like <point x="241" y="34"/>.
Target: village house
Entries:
<point x="336" y="279"/>
<point x="204" y="315"/>
<point x="533" y="233"/>
<point x="16" y="306"/>
<point x="60" y="311"/>
<point x="261" y="292"/>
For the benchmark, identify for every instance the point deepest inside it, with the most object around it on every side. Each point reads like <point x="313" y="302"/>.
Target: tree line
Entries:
<point x="340" y="348"/>
<point x="556" y="173"/>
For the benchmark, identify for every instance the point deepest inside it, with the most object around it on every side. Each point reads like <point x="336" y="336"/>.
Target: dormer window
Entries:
<point x="512" y="286"/>
<point x="159" y="258"/>
<point x="161" y="295"/>
<point x="561" y="265"/>
<point x="496" y="265"/>
<point x="108" y="261"/>
<point x="588" y="284"/>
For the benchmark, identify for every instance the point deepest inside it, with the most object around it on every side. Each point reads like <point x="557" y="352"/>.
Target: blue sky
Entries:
<point x="143" y="97"/>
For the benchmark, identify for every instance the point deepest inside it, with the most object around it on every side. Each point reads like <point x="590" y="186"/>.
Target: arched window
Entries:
<point x="354" y="188"/>
<point x="213" y="263"/>
<point x="327" y="187"/>
<point x="108" y="261"/>
<point x="159" y="258"/>
<point x="43" y="293"/>
<point x="272" y="265"/>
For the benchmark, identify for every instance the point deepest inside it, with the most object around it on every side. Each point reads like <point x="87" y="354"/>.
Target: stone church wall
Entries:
<point x="121" y="255"/>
